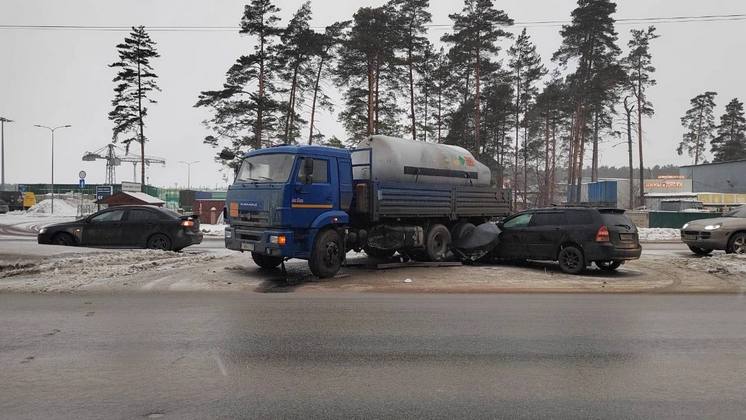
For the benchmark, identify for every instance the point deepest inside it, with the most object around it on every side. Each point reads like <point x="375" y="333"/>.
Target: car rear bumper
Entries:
<point x="611" y="252"/>
<point x="184" y="239"/>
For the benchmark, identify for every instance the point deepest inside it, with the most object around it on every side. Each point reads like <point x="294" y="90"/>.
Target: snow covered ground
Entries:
<point x="719" y="264"/>
<point x="212" y="230"/>
<point x="62" y="207"/>
<point x="659" y="234"/>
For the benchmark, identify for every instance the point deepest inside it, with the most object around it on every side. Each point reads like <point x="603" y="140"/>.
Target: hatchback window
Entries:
<point x="522" y="220"/>
<point x="617" y="219"/>
<point x="109" y="216"/>
<point x="140" y="215"/>
<point x="548" y="219"/>
<point x="578" y="217"/>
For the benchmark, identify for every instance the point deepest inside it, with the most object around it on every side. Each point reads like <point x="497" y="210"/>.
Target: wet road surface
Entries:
<point x="371" y="355"/>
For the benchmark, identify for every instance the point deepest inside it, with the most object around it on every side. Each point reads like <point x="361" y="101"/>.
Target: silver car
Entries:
<point x="726" y="233"/>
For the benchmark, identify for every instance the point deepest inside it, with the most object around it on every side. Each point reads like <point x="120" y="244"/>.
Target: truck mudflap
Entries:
<point x="474" y="243"/>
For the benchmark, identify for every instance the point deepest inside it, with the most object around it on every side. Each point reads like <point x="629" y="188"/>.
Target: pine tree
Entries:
<point x="527" y="70"/>
<point x="476" y="31"/>
<point x="699" y="122"/>
<point x="135" y="80"/>
<point x="497" y="126"/>
<point x="639" y="68"/>
<point x="442" y="87"/>
<point x="298" y="44"/>
<point x="367" y="59"/>
<point x="590" y="41"/>
<point x="410" y="18"/>
<point x="325" y="55"/>
<point x="730" y="142"/>
<point x="244" y="110"/>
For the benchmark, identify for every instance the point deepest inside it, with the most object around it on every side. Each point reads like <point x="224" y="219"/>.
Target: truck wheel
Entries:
<point x="327" y="254"/>
<point x="266" y="261"/>
<point x="571" y="260"/>
<point x="461" y="229"/>
<point x="437" y="241"/>
<point x="379" y="253"/>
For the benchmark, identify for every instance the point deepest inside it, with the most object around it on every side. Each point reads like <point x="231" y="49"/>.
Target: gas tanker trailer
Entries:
<point x="388" y="195"/>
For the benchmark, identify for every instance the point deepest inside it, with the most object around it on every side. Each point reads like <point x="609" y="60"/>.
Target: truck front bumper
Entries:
<point x="263" y="242"/>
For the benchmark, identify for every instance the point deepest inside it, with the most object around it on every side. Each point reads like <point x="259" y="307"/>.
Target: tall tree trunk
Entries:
<point x="525" y="161"/>
<point x="378" y="78"/>
<point x="260" y="108"/>
<point x="553" y="177"/>
<point x="628" y="110"/>
<point x="291" y="104"/>
<point x="477" y="110"/>
<point x="594" y="164"/>
<point x="142" y="131"/>
<point x="517" y="132"/>
<point x="411" y="89"/>
<point x="640" y="109"/>
<point x="440" y="113"/>
<point x="315" y="95"/>
<point x="699" y="137"/>
<point x="371" y="76"/>
<point x="545" y="196"/>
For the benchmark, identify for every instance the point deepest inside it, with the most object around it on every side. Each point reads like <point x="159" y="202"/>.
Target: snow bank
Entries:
<point x="659" y="234"/>
<point x="719" y="264"/>
<point x="212" y="230"/>
<point x="61" y="208"/>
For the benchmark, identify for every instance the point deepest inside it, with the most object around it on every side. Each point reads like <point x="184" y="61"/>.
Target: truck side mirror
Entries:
<point x="227" y="155"/>
<point x="308" y="170"/>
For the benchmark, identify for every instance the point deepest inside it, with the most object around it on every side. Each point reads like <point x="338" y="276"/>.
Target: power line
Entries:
<point x="535" y="23"/>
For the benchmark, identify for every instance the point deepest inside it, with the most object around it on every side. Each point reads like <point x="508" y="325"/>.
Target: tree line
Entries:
<point x="727" y="139"/>
<point x="533" y="123"/>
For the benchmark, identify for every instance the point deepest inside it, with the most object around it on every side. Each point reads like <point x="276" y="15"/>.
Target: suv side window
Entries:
<point x="548" y="219"/>
<point x="522" y="220"/>
<point x="578" y="217"/>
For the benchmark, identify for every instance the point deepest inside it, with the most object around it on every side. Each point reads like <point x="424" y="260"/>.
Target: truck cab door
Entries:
<point x="314" y="193"/>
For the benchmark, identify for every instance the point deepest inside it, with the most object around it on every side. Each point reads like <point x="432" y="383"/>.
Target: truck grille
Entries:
<point x="252" y="218"/>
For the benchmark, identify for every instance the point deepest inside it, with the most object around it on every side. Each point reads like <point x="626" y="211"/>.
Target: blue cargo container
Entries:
<point x="603" y="192"/>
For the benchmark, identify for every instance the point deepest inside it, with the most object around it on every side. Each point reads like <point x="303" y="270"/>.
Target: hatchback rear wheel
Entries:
<point x="571" y="260"/>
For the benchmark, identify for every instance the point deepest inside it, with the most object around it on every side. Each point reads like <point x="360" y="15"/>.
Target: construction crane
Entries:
<point x="114" y="156"/>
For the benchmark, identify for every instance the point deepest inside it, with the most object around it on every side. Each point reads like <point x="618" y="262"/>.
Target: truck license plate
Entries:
<point x="247" y="246"/>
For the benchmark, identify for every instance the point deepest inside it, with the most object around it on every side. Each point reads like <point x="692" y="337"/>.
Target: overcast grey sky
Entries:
<point x="56" y="77"/>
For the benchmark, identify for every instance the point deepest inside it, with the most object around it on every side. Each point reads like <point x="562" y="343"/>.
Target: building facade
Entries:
<point x="721" y="177"/>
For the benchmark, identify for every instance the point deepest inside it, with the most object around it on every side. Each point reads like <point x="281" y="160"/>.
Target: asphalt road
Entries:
<point x="372" y="355"/>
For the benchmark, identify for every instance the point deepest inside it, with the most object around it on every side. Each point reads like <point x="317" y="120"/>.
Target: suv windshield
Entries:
<point x="266" y="168"/>
<point x="737" y="212"/>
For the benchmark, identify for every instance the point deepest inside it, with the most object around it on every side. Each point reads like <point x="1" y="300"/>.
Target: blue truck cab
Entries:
<point x="283" y="197"/>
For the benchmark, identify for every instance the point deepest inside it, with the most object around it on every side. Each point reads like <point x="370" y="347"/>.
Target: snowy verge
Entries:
<point x="659" y="234"/>
<point x="212" y="230"/>
<point x="719" y="264"/>
<point x="76" y="271"/>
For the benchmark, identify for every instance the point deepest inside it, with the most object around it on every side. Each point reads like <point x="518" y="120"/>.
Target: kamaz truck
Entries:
<point x="388" y="195"/>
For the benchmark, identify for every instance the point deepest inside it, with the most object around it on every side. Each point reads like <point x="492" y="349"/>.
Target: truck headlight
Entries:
<point x="278" y="239"/>
<point x="228" y="233"/>
<point x="713" y="227"/>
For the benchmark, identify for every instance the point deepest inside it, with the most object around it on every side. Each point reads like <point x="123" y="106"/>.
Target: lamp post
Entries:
<point x="189" y="172"/>
<point x="51" y="130"/>
<point x="3" y="120"/>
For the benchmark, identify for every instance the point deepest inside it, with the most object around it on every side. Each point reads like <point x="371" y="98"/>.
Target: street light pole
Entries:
<point x="189" y="172"/>
<point x="3" y="120"/>
<point x="51" y="130"/>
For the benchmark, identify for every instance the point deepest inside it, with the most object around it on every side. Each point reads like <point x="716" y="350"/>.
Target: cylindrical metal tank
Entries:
<point x="400" y="160"/>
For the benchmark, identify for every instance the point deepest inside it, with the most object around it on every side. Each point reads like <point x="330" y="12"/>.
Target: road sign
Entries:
<point x="82" y="174"/>
<point x="81" y="183"/>
<point x="103" y="191"/>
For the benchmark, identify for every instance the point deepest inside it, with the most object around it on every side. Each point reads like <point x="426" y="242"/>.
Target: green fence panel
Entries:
<point x="677" y="219"/>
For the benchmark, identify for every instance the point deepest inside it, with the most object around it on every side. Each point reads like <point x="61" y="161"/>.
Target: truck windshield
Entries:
<point x="266" y="168"/>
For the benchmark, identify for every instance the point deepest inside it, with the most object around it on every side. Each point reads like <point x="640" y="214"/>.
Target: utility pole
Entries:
<point x="51" y="130"/>
<point x="189" y="172"/>
<point x="3" y="120"/>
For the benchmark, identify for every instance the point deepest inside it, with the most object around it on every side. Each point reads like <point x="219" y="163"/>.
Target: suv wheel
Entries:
<point x="700" y="251"/>
<point x="737" y="244"/>
<point x="608" y="265"/>
<point x="571" y="260"/>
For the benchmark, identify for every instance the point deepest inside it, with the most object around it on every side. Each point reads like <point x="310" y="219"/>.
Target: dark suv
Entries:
<point x="575" y="237"/>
